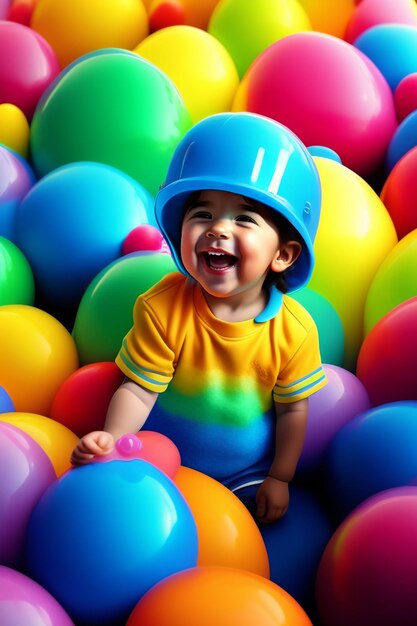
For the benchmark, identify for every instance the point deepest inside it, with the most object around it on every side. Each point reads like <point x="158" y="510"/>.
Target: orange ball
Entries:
<point x="227" y="532"/>
<point x="217" y="596"/>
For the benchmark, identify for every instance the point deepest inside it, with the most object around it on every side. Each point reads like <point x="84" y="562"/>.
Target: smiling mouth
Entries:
<point x="218" y="261"/>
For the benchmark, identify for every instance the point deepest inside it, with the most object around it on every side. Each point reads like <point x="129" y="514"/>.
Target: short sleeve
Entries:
<point x="303" y="375"/>
<point x="145" y="356"/>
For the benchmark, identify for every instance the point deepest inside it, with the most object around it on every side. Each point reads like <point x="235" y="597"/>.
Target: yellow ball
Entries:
<point x="394" y="282"/>
<point x="76" y="27"/>
<point x="328" y="16"/>
<point x="247" y="27"/>
<point x="14" y="129"/>
<point x="355" y="235"/>
<point x="198" y="65"/>
<point x="37" y="354"/>
<point x="56" y="440"/>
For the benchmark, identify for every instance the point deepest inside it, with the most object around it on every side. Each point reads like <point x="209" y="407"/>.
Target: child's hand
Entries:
<point x="272" y="500"/>
<point x="96" y="443"/>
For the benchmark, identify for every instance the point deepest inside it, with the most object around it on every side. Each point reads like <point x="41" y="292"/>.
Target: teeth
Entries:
<point x="216" y="253"/>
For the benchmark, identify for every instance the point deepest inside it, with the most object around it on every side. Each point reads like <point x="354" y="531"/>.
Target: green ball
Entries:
<point x="329" y="325"/>
<point x="112" y="107"/>
<point x="105" y="312"/>
<point x="16" y="279"/>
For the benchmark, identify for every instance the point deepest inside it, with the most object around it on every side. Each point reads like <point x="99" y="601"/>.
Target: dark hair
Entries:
<point x="287" y="232"/>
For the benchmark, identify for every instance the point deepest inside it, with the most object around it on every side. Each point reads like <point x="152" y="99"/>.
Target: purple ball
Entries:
<point x="26" y="472"/>
<point x="16" y="178"/>
<point x="332" y="407"/>
<point x="23" y="601"/>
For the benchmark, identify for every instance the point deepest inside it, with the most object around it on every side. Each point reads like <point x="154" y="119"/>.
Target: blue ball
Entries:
<point x="373" y="452"/>
<point x="6" y="403"/>
<point x="296" y="543"/>
<point x="105" y="533"/>
<point x="403" y="140"/>
<point x="72" y="224"/>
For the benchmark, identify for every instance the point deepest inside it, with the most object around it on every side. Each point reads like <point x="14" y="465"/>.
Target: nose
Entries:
<point x="218" y="230"/>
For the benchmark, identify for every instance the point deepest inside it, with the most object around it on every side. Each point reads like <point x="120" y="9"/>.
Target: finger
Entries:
<point x="260" y="506"/>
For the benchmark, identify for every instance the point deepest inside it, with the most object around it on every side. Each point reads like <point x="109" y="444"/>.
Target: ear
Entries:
<point x="286" y="256"/>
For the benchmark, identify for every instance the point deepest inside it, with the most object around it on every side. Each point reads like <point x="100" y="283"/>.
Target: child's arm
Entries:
<point x="128" y="411"/>
<point x="272" y="497"/>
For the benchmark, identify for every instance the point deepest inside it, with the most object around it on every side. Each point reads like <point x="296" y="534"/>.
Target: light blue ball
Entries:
<point x="105" y="533"/>
<point x="73" y="222"/>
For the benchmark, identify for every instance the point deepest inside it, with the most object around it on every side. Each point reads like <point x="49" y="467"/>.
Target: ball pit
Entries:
<point x="368" y="570"/>
<point x="373" y="452"/>
<point x="137" y="527"/>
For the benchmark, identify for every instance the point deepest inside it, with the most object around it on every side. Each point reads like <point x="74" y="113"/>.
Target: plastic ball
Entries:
<point x="36" y="355"/>
<point x="23" y="601"/>
<point x="135" y="525"/>
<point x="246" y="28"/>
<point x="217" y="595"/>
<point x="75" y="27"/>
<point x="405" y="96"/>
<point x="399" y="193"/>
<point x="164" y="13"/>
<point x="21" y="11"/>
<point x="31" y="66"/>
<point x="55" y="439"/>
<point x="198" y="65"/>
<point x="403" y="140"/>
<point x="14" y="129"/>
<point x="393" y="48"/>
<point x="387" y="364"/>
<point x="17" y="178"/>
<point x="16" y="278"/>
<point x="329" y="325"/>
<point x="134" y="126"/>
<point x="329" y="410"/>
<point x="104" y="315"/>
<point x="368" y="570"/>
<point x="373" y="452"/>
<point x="6" y="403"/>
<point x="146" y="445"/>
<point x="81" y="402"/>
<point x="393" y="282"/>
<point x="295" y="544"/>
<point x="329" y="17"/>
<point x="143" y="238"/>
<point x="324" y="151"/>
<point x="354" y="225"/>
<point x="73" y="223"/>
<point x="375" y="12"/>
<point x="227" y="533"/>
<point x="26" y="472"/>
<point x="334" y="96"/>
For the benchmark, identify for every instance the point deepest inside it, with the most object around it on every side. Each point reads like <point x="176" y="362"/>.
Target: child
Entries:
<point x="230" y="359"/>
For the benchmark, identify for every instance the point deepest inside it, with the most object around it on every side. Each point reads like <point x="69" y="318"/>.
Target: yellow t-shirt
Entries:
<point x="219" y="379"/>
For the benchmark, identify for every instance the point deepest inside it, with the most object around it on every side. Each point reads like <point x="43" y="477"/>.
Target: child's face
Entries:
<point x="227" y="246"/>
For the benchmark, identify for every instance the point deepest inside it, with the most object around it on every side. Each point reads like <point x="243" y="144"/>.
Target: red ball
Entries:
<point x="399" y="193"/>
<point x="144" y="237"/>
<point x="81" y="401"/>
<point x="387" y="361"/>
<point x="405" y="96"/>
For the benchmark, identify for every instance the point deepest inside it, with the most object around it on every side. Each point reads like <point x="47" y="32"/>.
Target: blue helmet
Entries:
<point x="253" y="156"/>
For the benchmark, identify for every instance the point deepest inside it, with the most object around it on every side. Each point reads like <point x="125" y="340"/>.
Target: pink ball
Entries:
<point x="30" y="67"/>
<point x="399" y="193"/>
<point x="405" y="96"/>
<point x="25" y="472"/>
<point x="387" y="361"/>
<point x="368" y="571"/>
<point x="332" y="407"/>
<point x="370" y="13"/>
<point x="23" y="601"/>
<point x="328" y="93"/>
<point x="144" y="237"/>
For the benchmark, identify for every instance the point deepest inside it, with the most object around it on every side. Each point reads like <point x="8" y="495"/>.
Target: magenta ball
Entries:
<point x="332" y="407"/>
<point x="30" y="67"/>
<point x="405" y="96"/>
<point x="23" y="601"/>
<point x="26" y="472"/>
<point x="368" y="571"/>
<point x="144" y="237"/>
<point x="328" y="93"/>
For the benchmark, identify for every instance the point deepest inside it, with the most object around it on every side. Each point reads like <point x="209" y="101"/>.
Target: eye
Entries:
<point x="200" y="214"/>
<point x="245" y="218"/>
